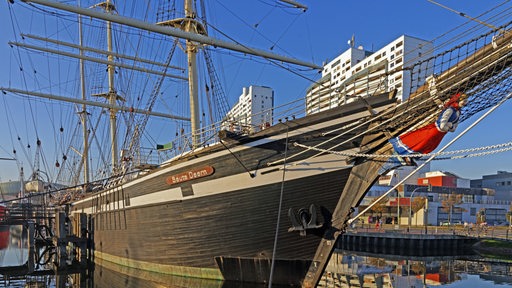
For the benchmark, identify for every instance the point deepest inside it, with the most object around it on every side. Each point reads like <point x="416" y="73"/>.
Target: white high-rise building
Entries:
<point x="253" y="111"/>
<point x="360" y="73"/>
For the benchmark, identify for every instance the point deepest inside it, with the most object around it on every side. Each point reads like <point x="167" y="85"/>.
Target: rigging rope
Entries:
<point x="498" y="149"/>
<point x="479" y="67"/>
<point x="432" y="157"/>
<point x="279" y="211"/>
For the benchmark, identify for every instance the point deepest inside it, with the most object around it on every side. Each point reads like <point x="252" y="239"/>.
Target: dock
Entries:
<point x="66" y="251"/>
<point x="397" y="243"/>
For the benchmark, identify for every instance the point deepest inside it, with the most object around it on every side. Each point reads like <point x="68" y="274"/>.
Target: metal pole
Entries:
<point x="425" y="215"/>
<point x="398" y="210"/>
<point x="410" y="204"/>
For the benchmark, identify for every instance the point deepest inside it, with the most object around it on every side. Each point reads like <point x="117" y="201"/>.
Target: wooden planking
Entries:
<point x="182" y="236"/>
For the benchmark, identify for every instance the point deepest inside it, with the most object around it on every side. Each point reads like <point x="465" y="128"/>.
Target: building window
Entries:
<point x="472" y="211"/>
<point x="335" y="63"/>
<point x="467" y="199"/>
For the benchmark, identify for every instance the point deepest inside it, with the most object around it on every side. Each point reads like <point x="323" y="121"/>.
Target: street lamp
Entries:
<point x="429" y="188"/>
<point x="398" y="210"/>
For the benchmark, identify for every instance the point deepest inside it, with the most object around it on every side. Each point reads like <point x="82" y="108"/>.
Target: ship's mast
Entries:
<point x="187" y="28"/>
<point x="191" y="26"/>
<point x="111" y="95"/>
<point x="85" y="153"/>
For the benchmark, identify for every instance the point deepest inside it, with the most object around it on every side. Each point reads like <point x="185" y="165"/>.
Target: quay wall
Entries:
<point x="394" y="243"/>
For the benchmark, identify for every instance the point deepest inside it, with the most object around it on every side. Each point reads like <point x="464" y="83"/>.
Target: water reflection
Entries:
<point x="345" y="269"/>
<point x="13" y="247"/>
<point x="360" y="269"/>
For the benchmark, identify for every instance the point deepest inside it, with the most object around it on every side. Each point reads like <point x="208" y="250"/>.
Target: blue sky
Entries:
<point x="317" y="35"/>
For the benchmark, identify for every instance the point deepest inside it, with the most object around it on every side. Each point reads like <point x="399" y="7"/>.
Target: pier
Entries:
<point x="58" y="244"/>
<point x="419" y="240"/>
<point x="397" y="243"/>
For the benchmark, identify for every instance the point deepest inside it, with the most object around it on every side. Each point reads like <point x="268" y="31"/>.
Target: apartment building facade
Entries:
<point x="360" y="73"/>
<point x="253" y="111"/>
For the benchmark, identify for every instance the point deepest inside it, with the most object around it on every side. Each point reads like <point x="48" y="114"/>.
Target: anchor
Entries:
<point x="306" y="219"/>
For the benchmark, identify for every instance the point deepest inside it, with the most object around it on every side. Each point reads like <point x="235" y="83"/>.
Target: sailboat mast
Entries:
<point x="192" y="75"/>
<point x="112" y="95"/>
<point x="85" y="153"/>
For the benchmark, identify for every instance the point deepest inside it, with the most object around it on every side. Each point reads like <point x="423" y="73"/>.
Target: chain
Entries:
<point x="498" y="148"/>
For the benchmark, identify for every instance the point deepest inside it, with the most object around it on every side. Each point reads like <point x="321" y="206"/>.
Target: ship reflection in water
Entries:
<point x="345" y="269"/>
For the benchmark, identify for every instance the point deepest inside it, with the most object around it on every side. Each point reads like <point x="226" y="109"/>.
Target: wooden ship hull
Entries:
<point x="258" y="208"/>
<point x="214" y="213"/>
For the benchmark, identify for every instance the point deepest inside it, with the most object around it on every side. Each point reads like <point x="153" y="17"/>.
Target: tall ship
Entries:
<point x="232" y="198"/>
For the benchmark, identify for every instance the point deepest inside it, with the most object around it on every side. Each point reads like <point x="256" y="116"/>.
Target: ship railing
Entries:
<point x="26" y="211"/>
<point x="209" y="135"/>
<point x="244" y="125"/>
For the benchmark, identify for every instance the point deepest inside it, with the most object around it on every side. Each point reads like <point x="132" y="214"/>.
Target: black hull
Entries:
<point x="194" y="232"/>
<point x="179" y="219"/>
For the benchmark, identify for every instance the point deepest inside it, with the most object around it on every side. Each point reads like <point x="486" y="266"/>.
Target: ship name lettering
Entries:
<point x="197" y="174"/>
<point x="189" y="175"/>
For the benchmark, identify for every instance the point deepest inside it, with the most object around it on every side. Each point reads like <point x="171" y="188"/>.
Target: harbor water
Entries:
<point x="345" y="269"/>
